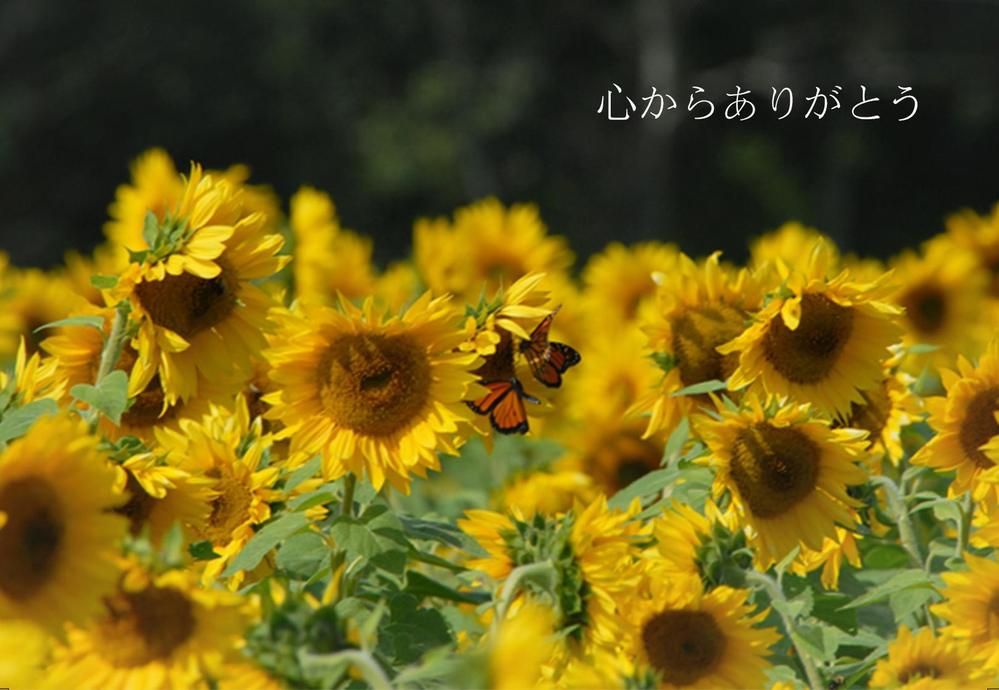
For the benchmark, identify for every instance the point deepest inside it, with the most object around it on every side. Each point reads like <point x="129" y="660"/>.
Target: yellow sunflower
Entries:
<point x="376" y="397"/>
<point x="787" y="472"/>
<point x="24" y="654"/>
<point x="923" y="661"/>
<point x="523" y="644"/>
<point x="397" y="286"/>
<point x="155" y="186"/>
<point x="593" y="548"/>
<point x="245" y="675"/>
<point x="156" y="632"/>
<point x="192" y="293"/>
<point x="843" y="546"/>
<point x="31" y="379"/>
<point x="692" y="639"/>
<point x="680" y="533"/>
<point x="488" y="245"/>
<point x="57" y="534"/>
<point x="30" y="298"/>
<point x="791" y="243"/>
<point x="699" y="309"/>
<point x="613" y="451"/>
<point x="619" y="282"/>
<point x="967" y="426"/>
<point x="942" y="291"/>
<point x="884" y="411"/>
<point x="228" y="448"/>
<point x="971" y="608"/>
<point x="546" y="492"/>
<point x="980" y="236"/>
<point x="818" y="340"/>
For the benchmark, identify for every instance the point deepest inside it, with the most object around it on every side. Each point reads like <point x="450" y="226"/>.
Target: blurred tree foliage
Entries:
<point x="403" y="108"/>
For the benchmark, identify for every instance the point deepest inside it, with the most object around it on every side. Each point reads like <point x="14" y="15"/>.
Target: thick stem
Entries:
<point x="776" y="595"/>
<point x="114" y="344"/>
<point x="347" y="505"/>
<point x="363" y="662"/>
<point x="901" y="514"/>
<point x="967" y="505"/>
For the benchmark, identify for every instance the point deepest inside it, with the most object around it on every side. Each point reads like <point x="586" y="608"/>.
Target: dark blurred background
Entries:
<point x="404" y="108"/>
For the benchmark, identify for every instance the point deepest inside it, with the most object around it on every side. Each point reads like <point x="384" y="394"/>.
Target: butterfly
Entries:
<point x="504" y="403"/>
<point x="548" y="360"/>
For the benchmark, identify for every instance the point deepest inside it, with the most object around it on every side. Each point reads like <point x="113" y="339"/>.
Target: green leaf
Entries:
<point x="828" y="607"/>
<point x="109" y="396"/>
<point x="665" y="360"/>
<point x="907" y="601"/>
<point x="16" y="422"/>
<point x="432" y="530"/>
<point x="306" y="471"/>
<point x="906" y="579"/>
<point x="653" y="482"/>
<point x="375" y="536"/>
<point x="701" y="388"/>
<point x="923" y="348"/>
<point x="269" y="536"/>
<point x="786" y="562"/>
<point x="410" y="632"/>
<point x="886" y="556"/>
<point x="313" y="498"/>
<point x="676" y="441"/>
<point x="798" y="607"/>
<point x="419" y="585"/>
<point x="150" y="228"/>
<point x="103" y="282"/>
<point x="202" y="551"/>
<point x="303" y="554"/>
<point x="89" y="321"/>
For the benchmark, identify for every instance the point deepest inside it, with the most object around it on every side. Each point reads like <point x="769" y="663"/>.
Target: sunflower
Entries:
<point x="376" y="397"/>
<point x="966" y="425"/>
<point x="227" y="448"/>
<point x="818" y="340"/>
<point x="546" y="492"/>
<point x="696" y="639"/>
<point x="613" y="451"/>
<point x="980" y="236"/>
<point x="31" y="379"/>
<point x="923" y="661"/>
<point x="882" y="414"/>
<point x="522" y="645"/>
<point x="397" y="286"/>
<point x="619" y="282"/>
<point x="791" y="243"/>
<point x="32" y="298"/>
<point x="191" y="293"/>
<point x="245" y="675"/>
<point x="787" y="472"/>
<point x="942" y="292"/>
<point x="592" y="548"/>
<point x="699" y="308"/>
<point x="155" y="631"/>
<point x="24" y="654"/>
<point x="57" y="535"/>
<point x="971" y="607"/>
<point x="680" y="533"/>
<point x="328" y="260"/>
<point x="155" y="187"/>
<point x="488" y="245"/>
<point x="843" y="546"/>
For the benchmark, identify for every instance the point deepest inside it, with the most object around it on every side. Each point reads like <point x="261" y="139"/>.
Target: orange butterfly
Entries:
<point x="504" y="403"/>
<point x="548" y="360"/>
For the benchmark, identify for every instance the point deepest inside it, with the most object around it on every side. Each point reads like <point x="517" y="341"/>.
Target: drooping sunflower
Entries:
<point x="192" y="292"/>
<point x="376" y="397"/>
<point x="967" y="427"/>
<point x="619" y="283"/>
<point x="57" y="534"/>
<point x="696" y="639"/>
<point x="227" y="448"/>
<point x="155" y="631"/>
<point x="971" y="608"/>
<point x="487" y="245"/>
<point x="943" y="293"/>
<point x="594" y="549"/>
<point x="819" y="340"/>
<point x="699" y="309"/>
<point x="787" y="472"/>
<point x="924" y="661"/>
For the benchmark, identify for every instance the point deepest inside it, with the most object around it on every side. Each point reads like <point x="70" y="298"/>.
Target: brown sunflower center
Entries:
<point x="872" y="414"/>
<point x="926" y="308"/>
<point x="31" y="540"/>
<point x="774" y="468"/>
<point x="979" y="425"/>
<point x="623" y="458"/>
<point x="145" y="626"/>
<point x="808" y="353"/>
<point x="374" y="384"/>
<point x="696" y="334"/>
<point x="920" y="669"/>
<point x="138" y="507"/>
<point x="683" y="646"/>
<point x="187" y="304"/>
<point x="230" y="509"/>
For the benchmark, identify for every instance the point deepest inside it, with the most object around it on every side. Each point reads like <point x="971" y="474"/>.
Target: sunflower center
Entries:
<point x="374" y="384"/>
<point x="145" y="626"/>
<point x="230" y="509"/>
<point x="872" y="414"/>
<point x="187" y="304"/>
<point x="147" y="407"/>
<point x="979" y="425"/>
<point x="808" y="353"/>
<point x="138" y="507"/>
<point x="920" y="669"/>
<point x="774" y="468"/>
<point x="696" y="334"/>
<point x="683" y="646"/>
<point x="926" y="308"/>
<point x="31" y="539"/>
<point x="623" y="458"/>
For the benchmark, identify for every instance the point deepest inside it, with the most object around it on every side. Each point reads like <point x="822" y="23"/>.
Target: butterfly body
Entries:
<point x="548" y="359"/>
<point x="504" y="405"/>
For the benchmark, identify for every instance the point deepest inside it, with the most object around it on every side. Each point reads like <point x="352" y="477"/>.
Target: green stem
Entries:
<point x="907" y="535"/>
<point x="776" y="595"/>
<point x="110" y="354"/>
<point x="362" y="661"/>
<point x="512" y="585"/>
<point x="347" y="504"/>
<point x="964" y="529"/>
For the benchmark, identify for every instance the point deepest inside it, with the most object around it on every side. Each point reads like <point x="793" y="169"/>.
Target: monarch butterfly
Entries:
<point x="548" y="360"/>
<point x="504" y="403"/>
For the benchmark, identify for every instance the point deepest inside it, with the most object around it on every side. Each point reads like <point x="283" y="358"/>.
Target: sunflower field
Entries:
<point x="237" y="455"/>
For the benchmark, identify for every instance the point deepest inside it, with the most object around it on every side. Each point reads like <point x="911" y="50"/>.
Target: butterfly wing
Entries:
<point x="509" y="415"/>
<point x="561" y="356"/>
<point x="488" y="402"/>
<point x="535" y="350"/>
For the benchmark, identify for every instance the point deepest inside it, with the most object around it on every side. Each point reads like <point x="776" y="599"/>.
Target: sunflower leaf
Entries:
<point x="89" y="321"/>
<point x="15" y="423"/>
<point x="266" y="539"/>
<point x="907" y="579"/>
<point x="103" y="282"/>
<point x="109" y="396"/>
<point x="701" y="388"/>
